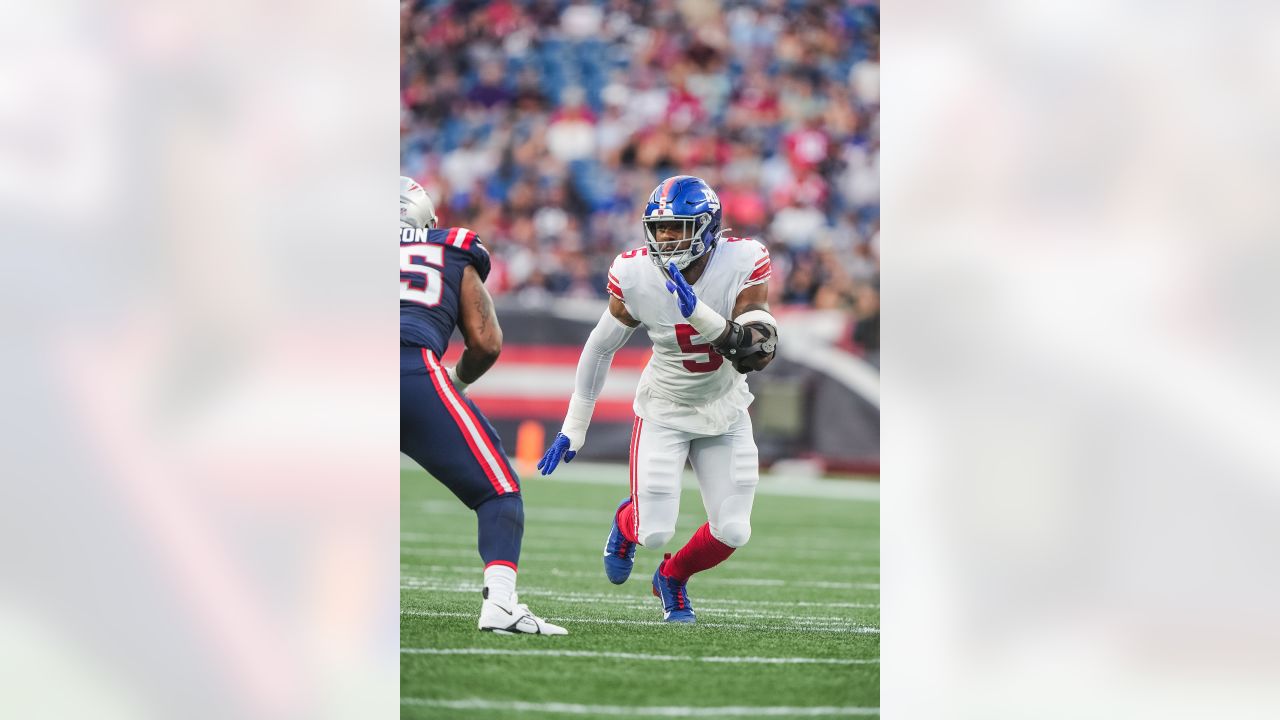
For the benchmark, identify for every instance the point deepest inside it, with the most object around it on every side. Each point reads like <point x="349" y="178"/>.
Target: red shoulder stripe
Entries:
<point x="762" y="268"/>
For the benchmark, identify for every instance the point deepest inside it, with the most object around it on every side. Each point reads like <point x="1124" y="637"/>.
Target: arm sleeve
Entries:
<point x="606" y="339"/>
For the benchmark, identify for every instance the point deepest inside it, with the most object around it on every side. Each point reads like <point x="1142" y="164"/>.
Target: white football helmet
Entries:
<point x="416" y="208"/>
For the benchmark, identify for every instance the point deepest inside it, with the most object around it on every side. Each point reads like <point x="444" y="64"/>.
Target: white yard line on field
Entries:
<point x="754" y="582"/>
<point x="470" y="552"/>
<point x="804" y="622"/>
<point x="820" y="539"/>
<point x="770" y="483"/>
<point x="805" y="625"/>
<point x="789" y="485"/>
<point x="649" y="604"/>
<point x="814" y="547"/>
<point x="761" y="582"/>
<point x="434" y="585"/>
<point x="473" y="570"/>
<point x="770" y="582"/>
<point x="643" y="656"/>
<point x="642" y="710"/>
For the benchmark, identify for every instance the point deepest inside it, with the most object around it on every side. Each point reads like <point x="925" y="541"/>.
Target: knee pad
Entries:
<point x="734" y="534"/>
<point x="732" y="524"/>
<point x="655" y="539"/>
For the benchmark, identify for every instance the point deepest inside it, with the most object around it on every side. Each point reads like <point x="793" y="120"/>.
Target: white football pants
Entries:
<point x="727" y="467"/>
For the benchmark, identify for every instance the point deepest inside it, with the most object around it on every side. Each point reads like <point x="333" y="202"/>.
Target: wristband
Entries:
<point x="709" y="324"/>
<point x="457" y="382"/>
<point x="577" y="419"/>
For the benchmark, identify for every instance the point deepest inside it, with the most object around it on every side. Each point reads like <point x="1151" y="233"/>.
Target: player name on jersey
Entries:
<point x="413" y="235"/>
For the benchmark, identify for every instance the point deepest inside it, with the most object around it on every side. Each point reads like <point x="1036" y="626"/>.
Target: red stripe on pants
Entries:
<point x="484" y="438"/>
<point x="435" y="370"/>
<point x="635" y="480"/>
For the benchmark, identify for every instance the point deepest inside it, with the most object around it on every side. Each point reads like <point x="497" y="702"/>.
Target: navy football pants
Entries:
<point x="445" y="433"/>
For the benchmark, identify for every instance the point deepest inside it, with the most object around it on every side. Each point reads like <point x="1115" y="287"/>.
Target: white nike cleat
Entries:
<point x="515" y="620"/>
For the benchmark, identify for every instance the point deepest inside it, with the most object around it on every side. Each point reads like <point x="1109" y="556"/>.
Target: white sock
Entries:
<point x="500" y="581"/>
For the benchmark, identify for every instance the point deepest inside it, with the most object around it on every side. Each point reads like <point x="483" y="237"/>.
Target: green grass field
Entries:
<point x="787" y="627"/>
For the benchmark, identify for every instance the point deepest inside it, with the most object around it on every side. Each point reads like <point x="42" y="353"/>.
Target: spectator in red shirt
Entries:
<point x="808" y="146"/>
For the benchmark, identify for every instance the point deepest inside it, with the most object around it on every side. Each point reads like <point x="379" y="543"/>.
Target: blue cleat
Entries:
<point x="674" y="595"/>
<point x="619" y="553"/>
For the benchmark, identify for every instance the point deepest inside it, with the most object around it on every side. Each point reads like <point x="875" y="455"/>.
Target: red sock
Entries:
<point x="702" y="552"/>
<point x="627" y="521"/>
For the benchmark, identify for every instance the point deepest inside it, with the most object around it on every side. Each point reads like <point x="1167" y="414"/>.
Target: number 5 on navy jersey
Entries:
<point x="420" y="280"/>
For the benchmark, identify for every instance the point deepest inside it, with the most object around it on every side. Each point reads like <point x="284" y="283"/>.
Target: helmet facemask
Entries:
<point x="692" y="228"/>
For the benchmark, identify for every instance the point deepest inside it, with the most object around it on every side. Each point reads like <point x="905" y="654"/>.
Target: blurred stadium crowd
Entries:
<point x="544" y="124"/>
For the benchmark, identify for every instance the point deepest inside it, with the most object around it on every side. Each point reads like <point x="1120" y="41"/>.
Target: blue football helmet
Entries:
<point x="694" y="206"/>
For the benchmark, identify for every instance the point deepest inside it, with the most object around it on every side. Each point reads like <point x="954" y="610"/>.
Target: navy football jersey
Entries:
<point x="431" y="267"/>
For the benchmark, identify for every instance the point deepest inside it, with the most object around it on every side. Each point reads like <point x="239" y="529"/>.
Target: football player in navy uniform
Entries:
<point x="442" y="274"/>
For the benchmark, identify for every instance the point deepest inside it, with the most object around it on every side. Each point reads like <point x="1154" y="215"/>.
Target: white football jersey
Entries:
<point x="687" y="385"/>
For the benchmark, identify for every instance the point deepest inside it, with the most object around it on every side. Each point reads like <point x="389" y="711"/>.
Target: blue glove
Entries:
<point x="559" y="448"/>
<point x="684" y="294"/>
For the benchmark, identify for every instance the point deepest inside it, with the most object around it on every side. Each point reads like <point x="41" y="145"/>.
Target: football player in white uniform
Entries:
<point x="703" y="299"/>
